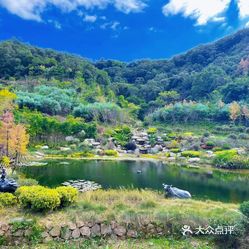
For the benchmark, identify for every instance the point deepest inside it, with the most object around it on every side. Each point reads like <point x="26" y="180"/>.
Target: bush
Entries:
<point x="173" y="145"/>
<point x="111" y="153"/>
<point x="82" y="154"/>
<point x="152" y="130"/>
<point x="68" y="195"/>
<point x="27" y="182"/>
<point x="226" y="147"/>
<point x="7" y="199"/>
<point x="38" y="198"/>
<point x="176" y="150"/>
<point x="230" y="159"/>
<point x="232" y="136"/>
<point x="210" y="144"/>
<point x="244" y="208"/>
<point x="103" y="112"/>
<point x="122" y="135"/>
<point x="206" y="134"/>
<point x="190" y="153"/>
<point x="243" y="136"/>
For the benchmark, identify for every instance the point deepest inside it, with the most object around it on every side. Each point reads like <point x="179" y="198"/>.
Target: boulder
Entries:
<point x="120" y="231"/>
<point x="132" y="234"/>
<point x="95" y="230"/>
<point x="55" y="232"/>
<point x="76" y="233"/>
<point x="194" y="160"/>
<point x="85" y="231"/>
<point x="105" y="229"/>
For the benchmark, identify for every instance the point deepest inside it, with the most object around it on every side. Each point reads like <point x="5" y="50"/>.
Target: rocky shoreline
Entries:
<point x="82" y="185"/>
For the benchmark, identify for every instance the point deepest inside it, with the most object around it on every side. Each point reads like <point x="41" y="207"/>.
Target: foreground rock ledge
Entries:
<point x="13" y="234"/>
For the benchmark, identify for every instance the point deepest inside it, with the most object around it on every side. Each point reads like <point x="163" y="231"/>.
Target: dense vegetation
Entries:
<point x="50" y="100"/>
<point x="60" y="84"/>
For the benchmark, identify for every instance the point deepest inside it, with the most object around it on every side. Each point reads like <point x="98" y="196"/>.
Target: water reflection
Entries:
<point x="215" y="184"/>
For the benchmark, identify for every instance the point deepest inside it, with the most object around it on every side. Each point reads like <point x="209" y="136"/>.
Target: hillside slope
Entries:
<point x="216" y="70"/>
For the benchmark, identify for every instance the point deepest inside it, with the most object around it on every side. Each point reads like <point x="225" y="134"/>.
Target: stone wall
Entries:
<point x="19" y="231"/>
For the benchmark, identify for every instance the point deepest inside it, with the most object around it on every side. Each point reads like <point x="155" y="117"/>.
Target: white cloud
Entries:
<point x="32" y="9"/>
<point x="56" y="24"/>
<point x="128" y="6"/>
<point x="110" y="25"/>
<point x="202" y="11"/>
<point x="243" y="8"/>
<point x="89" y="18"/>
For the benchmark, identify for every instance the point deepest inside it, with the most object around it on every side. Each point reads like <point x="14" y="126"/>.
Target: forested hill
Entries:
<point x="209" y="72"/>
<point x="194" y="74"/>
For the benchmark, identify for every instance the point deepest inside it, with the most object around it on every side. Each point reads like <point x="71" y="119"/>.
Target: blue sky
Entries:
<point x="121" y="29"/>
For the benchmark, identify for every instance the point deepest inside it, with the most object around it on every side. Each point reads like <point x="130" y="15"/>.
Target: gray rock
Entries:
<point x="105" y="229"/>
<point x="71" y="226"/>
<point x="132" y="234"/>
<point x="18" y="233"/>
<point x="120" y="231"/>
<point x="44" y="235"/>
<point x="85" y="231"/>
<point x="76" y="233"/>
<point x="55" y="232"/>
<point x="80" y="224"/>
<point x="194" y="160"/>
<point x="4" y="227"/>
<point x="95" y="230"/>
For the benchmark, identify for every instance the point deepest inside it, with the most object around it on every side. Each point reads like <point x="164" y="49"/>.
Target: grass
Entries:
<point x="165" y="243"/>
<point x="135" y="206"/>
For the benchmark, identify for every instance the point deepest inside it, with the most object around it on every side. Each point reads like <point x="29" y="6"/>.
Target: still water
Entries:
<point x="202" y="184"/>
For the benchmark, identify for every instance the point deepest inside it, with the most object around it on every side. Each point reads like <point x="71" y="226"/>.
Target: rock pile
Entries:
<point x="79" y="229"/>
<point x="82" y="185"/>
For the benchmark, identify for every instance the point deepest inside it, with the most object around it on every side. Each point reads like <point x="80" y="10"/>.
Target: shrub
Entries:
<point x="7" y="199"/>
<point x="68" y="195"/>
<point x="173" y="144"/>
<point x="190" y="153"/>
<point x="38" y="198"/>
<point x="82" y="154"/>
<point x="167" y="154"/>
<point x="176" y="150"/>
<point x="244" y="208"/>
<point x="111" y="153"/>
<point x="103" y="112"/>
<point x="206" y="134"/>
<point x="122" y="134"/>
<point x="243" y="136"/>
<point x="210" y="144"/>
<point x="27" y="182"/>
<point x="178" y="129"/>
<point x="152" y="130"/>
<point x="232" y="136"/>
<point x="231" y="160"/>
<point x="226" y="147"/>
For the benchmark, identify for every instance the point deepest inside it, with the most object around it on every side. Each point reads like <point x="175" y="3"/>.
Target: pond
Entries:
<point x="202" y="184"/>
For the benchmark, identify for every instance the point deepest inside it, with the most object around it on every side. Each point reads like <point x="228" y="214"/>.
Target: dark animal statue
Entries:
<point x="173" y="192"/>
<point x="7" y="185"/>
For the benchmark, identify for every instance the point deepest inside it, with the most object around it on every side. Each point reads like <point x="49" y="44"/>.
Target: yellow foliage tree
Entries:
<point x="235" y="110"/>
<point x="13" y="138"/>
<point x="19" y="140"/>
<point x="6" y="100"/>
